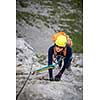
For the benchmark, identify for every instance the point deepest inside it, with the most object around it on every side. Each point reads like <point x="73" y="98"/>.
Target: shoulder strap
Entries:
<point x="65" y="52"/>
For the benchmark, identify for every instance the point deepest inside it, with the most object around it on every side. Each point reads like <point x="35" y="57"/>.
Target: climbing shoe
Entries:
<point x="51" y="79"/>
<point x="58" y="77"/>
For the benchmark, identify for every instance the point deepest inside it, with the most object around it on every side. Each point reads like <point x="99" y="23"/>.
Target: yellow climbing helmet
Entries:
<point x="61" y="41"/>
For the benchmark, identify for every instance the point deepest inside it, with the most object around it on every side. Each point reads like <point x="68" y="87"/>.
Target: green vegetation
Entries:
<point x="77" y="4"/>
<point x="23" y="3"/>
<point x="77" y="39"/>
<point x="26" y="16"/>
<point x="29" y="18"/>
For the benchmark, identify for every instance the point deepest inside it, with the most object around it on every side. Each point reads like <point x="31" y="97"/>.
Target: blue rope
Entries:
<point x="52" y="65"/>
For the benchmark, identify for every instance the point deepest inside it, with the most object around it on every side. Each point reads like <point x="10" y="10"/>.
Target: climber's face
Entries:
<point x="58" y="49"/>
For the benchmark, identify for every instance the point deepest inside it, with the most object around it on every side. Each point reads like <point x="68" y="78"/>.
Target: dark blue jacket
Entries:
<point x="67" y="58"/>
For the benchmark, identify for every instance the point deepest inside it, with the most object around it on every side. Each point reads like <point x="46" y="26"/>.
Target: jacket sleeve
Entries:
<point x="68" y="56"/>
<point x="50" y="53"/>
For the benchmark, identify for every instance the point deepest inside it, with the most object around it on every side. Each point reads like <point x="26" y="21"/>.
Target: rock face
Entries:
<point x="69" y="88"/>
<point x="42" y="18"/>
<point x="24" y="54"/>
